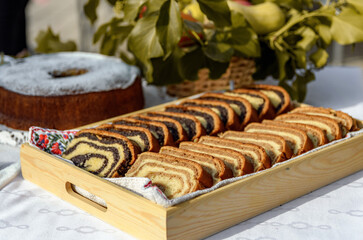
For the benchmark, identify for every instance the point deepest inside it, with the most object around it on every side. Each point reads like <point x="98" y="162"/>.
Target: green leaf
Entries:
<point x="190" y="63"/>
<point x="90" y="10"/>
<point x="48" y="42"/>
<point x="357" y="4"/>
<point x="282" y="58"/>
<point x="324" y="33"/>
<point x="347" y="27"/>
<point x="108" y="45"/>
<point x="245" y="41"/>
<point x="300" y="58"/>
<point x="216" y="69"/>
<point x="169" y="26"/>
<point x="219" y="51"/>
<point x="300" y="85"/>
<point x="100" y="32"/>
<point x="308" y="40"/>
<point x="131" y="9"/>
<point x="143" y="42"/>
<point x="319" y="57"/>
<point x="216" y="11"/>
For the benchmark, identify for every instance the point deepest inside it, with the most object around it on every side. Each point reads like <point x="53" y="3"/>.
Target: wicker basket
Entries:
<point x="240" y="71"/>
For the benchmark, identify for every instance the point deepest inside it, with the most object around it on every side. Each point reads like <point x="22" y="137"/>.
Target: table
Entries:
<point x="332" y="212"/>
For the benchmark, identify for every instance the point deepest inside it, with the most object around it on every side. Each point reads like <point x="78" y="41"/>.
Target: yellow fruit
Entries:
<point x="264" y="18"/>
<point x="193" y="10"/>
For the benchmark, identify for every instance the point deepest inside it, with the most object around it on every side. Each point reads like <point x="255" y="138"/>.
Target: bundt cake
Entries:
<point x="67" y="90"/>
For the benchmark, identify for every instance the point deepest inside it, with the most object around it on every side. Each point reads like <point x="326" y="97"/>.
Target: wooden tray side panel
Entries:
<point x="234" y="203"/>
<point x="125" y="210"/>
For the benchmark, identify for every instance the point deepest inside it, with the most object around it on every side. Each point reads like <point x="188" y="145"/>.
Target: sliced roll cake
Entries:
<point x="139" y="135"/>
<point x="103" y="153"/>
<point x="342" y="118"/>
<point x="224" y="111"/>
<point x="297" y="139"/>
<point x="175" y="128"/>
<point x="158" y="130"/>
<point x="243" y="108"/>
<point x="330" y="127"/>
<point x="254" y="153"/>
<point x="191" y="125"/>
<point x="316" y="135"/>
<point x="259" y="101"/>
<point x="174" y="176"/>
<point x="279" y="97"/>
<point x="275" y="146"/>
<point x="234" y="160"/>
<point x="214" y="166"/>
<point x="207" y="117"/>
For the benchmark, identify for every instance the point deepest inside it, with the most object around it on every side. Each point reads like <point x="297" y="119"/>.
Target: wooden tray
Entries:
<point x="205" y="214"/>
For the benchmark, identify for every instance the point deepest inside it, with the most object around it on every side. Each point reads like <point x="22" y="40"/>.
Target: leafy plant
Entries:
<point x="48" y="42"/>
<point x="287" y="38"/>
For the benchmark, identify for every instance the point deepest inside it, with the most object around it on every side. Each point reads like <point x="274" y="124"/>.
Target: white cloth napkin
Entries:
<point x="8" y="172"/>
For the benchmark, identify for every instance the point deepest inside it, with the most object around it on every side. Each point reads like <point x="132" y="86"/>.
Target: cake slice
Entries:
<point x="175" y="128"/>
<point x="279" y="97"/>
<point x="214" y="166"/>
<point x="139" y="135"/>
<point x="254" y="153"/>
<point x="191" y="125"/>
<point x="105" y="154"/>
<point x="316" y="135"/>
<point x="207" y="117"/>
<point x="330" y="127"/>
<point x="224" y="111"/>
<point x="158" y="130"/>
<point x="234" y="160"/>
<point x="275" y="146"/>
<point x="297" y="139"/>
<point x="342" y="118"/>
<point x="259" y="101"/>
<point x="174" y="176"/>
<point x="243" y="108"/>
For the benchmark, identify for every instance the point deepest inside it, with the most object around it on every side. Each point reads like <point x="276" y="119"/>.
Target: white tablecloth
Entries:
<point x="332" y="212"/>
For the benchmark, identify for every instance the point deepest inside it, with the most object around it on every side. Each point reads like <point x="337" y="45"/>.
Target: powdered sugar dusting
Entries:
<point x="31" y="76"/>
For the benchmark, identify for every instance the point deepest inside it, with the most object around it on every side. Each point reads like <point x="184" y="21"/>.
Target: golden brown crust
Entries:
<point x="334" y="125"/>
<point x="264" y="160"/>
<point x="245" y="137"/>
<point x="182" y="135"/>
<point x="202" y="176"/>
<point x="244" y="166"/>
<point x="267" y="111"/>
<point x="320" y="135"/>
<point x="134" y="150"/>
<point x="153" y="142"/>
<point x="220" y="168"/>
<point x="250" y="114"/>
<point x="232" y="119"/>
<point x="67" y="112"/>
<point x="287" y="106"/>
<point x="306" y="142"/>
<point x="199" y="129"/>
<point x="217" y="123"/>
<point x="168" y="139"/>
<point x="339" y="116"/>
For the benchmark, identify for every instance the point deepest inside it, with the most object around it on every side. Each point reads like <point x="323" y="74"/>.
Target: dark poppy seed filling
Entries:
<point x="278" y="107"/>
<point x="132" y="133"/>
<point x="82" y="160"/>
<point x="208" y="123"/>
<point x="241" y="106"/>
<point x="187" y="124"/>
<point x="223" y="114"/>
<point x="155" y="130"/>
